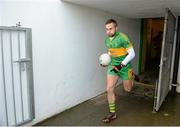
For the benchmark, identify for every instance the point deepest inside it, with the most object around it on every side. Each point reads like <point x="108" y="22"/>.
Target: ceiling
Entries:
<point x="133" y="8"/>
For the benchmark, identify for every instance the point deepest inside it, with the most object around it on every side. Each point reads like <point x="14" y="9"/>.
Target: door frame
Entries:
<point x="29" y="73"/>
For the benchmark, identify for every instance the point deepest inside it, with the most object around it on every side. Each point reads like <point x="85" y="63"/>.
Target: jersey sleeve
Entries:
<point x="127" y="43"/>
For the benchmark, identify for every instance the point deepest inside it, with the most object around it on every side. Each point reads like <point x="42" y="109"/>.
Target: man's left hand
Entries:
<point x="117" y="68"/>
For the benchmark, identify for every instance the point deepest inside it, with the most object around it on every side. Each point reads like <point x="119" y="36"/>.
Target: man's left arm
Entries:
<point x="129" y="57"/>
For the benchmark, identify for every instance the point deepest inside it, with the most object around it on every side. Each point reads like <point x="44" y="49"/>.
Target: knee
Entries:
<point x="110" y="89"/>
<point x="129" y="89"/>
<point x="128" y="86"/>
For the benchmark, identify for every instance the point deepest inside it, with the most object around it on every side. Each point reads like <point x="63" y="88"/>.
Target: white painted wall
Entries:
<point x="0" y="13"/>
<point x="67" y="41"/>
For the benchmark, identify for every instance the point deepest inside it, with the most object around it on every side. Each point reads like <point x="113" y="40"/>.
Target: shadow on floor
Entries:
<point x="132" y="109"/>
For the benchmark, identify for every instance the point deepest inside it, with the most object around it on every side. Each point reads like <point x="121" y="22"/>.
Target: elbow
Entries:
<point x="133" y="54"/>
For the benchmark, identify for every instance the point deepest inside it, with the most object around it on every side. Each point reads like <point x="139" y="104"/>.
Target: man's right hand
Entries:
<point x="103" y="65"/>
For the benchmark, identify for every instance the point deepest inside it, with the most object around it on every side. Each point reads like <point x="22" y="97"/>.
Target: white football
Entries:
<point x="105" y="59"/>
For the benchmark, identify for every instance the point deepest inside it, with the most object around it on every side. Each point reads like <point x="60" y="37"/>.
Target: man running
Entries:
<point x="122" y="52"/>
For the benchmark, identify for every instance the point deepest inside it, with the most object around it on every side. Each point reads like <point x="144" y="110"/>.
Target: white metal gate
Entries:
<point x="16" y="76"/>
<point x="162" y="87"/>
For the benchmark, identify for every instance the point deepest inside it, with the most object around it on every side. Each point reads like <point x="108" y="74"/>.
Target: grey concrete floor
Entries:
<point x="132" y="109"/>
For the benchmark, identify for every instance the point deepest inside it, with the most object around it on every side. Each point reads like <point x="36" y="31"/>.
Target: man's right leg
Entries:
<point x="111" y="83"/>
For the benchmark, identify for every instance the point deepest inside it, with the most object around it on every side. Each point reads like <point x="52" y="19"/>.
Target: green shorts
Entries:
<point x="125" y="73"/>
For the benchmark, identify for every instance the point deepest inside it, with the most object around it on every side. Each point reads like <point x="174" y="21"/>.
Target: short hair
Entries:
<point x="111" y="21"/>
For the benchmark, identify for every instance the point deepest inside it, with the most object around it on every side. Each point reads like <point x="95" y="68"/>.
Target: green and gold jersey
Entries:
<point x="118" y="46"/>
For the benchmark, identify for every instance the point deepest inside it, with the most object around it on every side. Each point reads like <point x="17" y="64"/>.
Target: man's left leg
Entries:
<point x="128" y="80"/>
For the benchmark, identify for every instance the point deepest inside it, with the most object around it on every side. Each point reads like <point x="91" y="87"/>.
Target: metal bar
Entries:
<point x="13" y="28"/>
<point x="30" y="73"/>
<point x="28" y="83"/>
<point x="12" y="72"/>
<point x="176" y="60"/>
<point x="5" y="98"/>
<point x="19" y="52"/>
<point x="22" y="60"/>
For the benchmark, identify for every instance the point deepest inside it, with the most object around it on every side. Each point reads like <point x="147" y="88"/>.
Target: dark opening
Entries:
<point x="151" y="49"/>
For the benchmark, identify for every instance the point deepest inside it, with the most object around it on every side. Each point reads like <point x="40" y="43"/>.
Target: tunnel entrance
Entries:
<point x="152" y="35"/>
<point x="156" y="51"/>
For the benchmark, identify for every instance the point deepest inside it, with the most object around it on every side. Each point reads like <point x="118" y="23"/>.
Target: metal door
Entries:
<point x="16" y="76"/>
<point x="162" y="87"/>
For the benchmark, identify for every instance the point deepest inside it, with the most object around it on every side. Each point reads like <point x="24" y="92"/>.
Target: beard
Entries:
<point x="111" y="35"/>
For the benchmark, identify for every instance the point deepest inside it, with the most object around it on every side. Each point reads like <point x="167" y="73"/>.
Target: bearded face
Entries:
<point x="111" y="29"/>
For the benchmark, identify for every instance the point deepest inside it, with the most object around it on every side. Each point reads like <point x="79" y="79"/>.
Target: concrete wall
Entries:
<point x="67" y="41"/>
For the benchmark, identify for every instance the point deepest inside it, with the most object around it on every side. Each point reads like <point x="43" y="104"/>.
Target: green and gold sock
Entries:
<point x="112" y="107"/>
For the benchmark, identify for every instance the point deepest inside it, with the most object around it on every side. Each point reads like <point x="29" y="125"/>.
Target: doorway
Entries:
<point x="152" y="35"/>
<point x="156" y="52"/>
